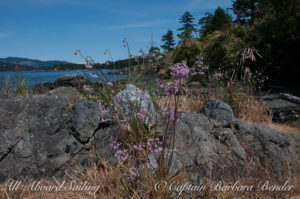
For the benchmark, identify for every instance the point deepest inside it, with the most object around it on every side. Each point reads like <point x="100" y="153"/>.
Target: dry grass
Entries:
<point x="283" y="127"/>
<point x="186" y="103"/>
<point x="113" y="184"/>
<point x="249" y="108"/>
<point x="254" y="110"/>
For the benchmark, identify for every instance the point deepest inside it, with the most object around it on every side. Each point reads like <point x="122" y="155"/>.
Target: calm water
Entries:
<point x="36" y="77"/>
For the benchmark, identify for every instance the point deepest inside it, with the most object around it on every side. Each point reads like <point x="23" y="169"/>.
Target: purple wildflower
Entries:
<point x="125" y="126"/>
<point x="138" y="147"/>
<point x="180" y="70"/>
<point x="142" y="114"/>
<point x="169" y="113"/>
<point x="88" y="65"/>
<point x="154" y="145"/>
<point x="122" y="155"/>
<point x="93" y="75"/>
<point x="87" y="88"/>
<point x="110" y="84"/>
<point x="115" y="145"/>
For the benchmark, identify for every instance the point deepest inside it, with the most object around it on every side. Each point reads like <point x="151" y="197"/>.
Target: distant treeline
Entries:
<point x="120" y="64"/>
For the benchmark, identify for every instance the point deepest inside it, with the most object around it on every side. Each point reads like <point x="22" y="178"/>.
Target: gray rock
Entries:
<point x="37" y="139"/>
<point x="226" y="136"/>
<point x="132" y="100"/>
<point x="70" y="94"/>
<point x="85" y="120"/>
<point x="276" y="150"/>
<point x="218" y="110"/>
<point x="203" y="149"/>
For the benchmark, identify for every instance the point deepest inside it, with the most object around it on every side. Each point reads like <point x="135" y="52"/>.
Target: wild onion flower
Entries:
<point x="87" y="88"/>
<point x="122" y="155"/>
<point x="110" y="84"/>
<point x="158" y="57"/>
<point x="93" y="75"/>
<point x="170" y="88"/>
<point x="218" y="75"/>
<point x="180" y="70"/>
<point x="138" y="147"/>
<point x="141" y="115"/>
<point x="115" y="145"/>
<point x="125" y="126"/>
<point x="154" y="145"/>
<point x="156" y="51"/>
<point x="88" y="66"/>
<point x="169" y="113"/>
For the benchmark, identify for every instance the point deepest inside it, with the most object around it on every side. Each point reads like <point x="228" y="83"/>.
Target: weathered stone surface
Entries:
<point x="42" y="136"/>
<point x="276" y="150"/>
<point x="85" y="120"/>
<point x="70" y="94"/>
<point x="132" y="100"/>
<point x="37" y="138"/>
<point x="219" y="111"/>
<point x="202" y="148"/>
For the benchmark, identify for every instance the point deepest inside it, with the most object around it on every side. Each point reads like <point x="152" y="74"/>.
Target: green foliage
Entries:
<point x="188" y="27"/>
<point x="222" y="49"/>
<point x="220" y="20"/>
<point x="188" y="51"/>
<point x="168" y="40"/>
<point x="276" y="35"/>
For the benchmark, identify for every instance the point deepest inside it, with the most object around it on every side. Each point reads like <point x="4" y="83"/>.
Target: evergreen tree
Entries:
<point x="246" y="11"/>
<point x="168" y="41"/>
<point x="188" y="27"/>
<point x="220" y="20"/>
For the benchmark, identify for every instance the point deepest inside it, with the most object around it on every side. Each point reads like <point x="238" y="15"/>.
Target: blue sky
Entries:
<point x="54" y="29"/>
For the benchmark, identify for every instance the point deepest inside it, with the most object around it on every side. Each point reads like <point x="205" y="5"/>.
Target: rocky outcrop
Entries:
<point x="38" y="137"/>
<point x="76" y="81"/>
<point x="43" y="136"/>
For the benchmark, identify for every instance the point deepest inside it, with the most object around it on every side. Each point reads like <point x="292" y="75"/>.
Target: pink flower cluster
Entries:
<point x="87" y="88"/>
<point x="169" y="113"/>
<point x="153" y="145"/>
<point x="104" y="112"/>
<point x="180" y="70"/>
<point x="125" y="126"/>
<point x="110" y="84"/>
<point x="169" y="88"/>
<point x="121" y="154"/>
<point x="93" y="75"/>
<point x="142" y="115"/>
<point x="199" y="69"/>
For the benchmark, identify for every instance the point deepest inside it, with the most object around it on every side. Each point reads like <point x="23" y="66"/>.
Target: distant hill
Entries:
<point x="30" y="62"/>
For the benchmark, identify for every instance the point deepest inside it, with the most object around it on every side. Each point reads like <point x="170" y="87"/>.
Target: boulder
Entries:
<point x="132" y="100"/>
<point x="219" y="111"/>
